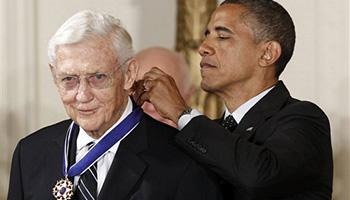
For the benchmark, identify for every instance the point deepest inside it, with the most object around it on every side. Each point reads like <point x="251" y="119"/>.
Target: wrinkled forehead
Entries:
<point x="87" y="56"/>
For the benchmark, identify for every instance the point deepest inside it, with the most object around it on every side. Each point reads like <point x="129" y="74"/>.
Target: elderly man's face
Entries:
<point x="100" y="97"/>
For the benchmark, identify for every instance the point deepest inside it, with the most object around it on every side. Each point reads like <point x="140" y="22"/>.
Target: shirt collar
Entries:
<point x="239" y="113"/>
<point x="83" y="138"/>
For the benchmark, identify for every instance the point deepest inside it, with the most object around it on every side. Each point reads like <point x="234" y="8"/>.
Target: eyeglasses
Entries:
<point x="97" y="80"/>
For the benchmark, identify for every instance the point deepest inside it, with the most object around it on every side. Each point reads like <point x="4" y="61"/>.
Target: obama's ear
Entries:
<point x="270" y="52"/>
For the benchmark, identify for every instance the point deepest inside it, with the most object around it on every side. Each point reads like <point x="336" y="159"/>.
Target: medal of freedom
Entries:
<point x="63" y="189"/>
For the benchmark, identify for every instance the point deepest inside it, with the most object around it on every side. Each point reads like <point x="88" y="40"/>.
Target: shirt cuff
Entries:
<point x="185" y="119"/>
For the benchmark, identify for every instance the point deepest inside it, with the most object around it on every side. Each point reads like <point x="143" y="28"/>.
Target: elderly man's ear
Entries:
<point x="131" y="73"/>
<point x="51" y="67"/>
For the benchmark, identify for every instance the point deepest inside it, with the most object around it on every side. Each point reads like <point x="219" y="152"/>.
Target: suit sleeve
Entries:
<point x="197" y="184"/>
<point x="296" y="151"/>
<point x="15" y="187"/>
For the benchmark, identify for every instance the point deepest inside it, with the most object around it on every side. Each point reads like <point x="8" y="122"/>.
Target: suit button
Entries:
<point x="202" y="149"/>
<point x="193" y="143"/>
<point x="197" y="146"/>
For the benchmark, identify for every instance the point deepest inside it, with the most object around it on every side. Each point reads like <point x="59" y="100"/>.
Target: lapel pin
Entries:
<point x="249" y="129"/>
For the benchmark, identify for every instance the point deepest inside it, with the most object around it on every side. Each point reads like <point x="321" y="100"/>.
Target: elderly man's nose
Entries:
<point x="84" y="93"/>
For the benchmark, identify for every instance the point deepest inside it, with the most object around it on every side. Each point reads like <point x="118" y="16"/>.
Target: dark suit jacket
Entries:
<point x="147" y="166"/>
<point x="281" y="149"/>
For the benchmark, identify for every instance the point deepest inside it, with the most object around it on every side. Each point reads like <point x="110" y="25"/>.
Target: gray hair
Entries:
<point x="88" y="24"/>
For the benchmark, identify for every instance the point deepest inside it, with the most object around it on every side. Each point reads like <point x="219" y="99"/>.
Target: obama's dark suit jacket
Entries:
<point x="281" y="149"/>
<point x="147" y="166"/>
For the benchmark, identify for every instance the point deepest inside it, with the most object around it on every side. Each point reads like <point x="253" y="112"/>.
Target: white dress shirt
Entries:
<point x="238" y="114"/>
<point x="105" y="162"/>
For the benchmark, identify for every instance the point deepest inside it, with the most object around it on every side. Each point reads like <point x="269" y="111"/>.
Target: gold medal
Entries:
<point x="63" y="189"/>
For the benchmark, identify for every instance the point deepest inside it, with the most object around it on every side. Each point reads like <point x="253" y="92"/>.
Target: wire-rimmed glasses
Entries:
<point x="98" y="80"/>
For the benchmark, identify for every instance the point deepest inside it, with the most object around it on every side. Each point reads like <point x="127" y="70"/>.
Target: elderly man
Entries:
<point x="267" y="145"/>
<point x="172" y="63"/>
<point x="108" y="149"/>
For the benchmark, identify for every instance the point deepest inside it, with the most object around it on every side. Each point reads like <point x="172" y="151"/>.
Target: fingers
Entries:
<point x="142" y="91"/>
<point x="157" y="70"/>
<point x="144" y="97"/>
<point x="154" y="73"/>
<point x="154" y="85"/>
<point x="147" y="85"/>
<point x="137" y="91"/>
<point x="160" y="89"/>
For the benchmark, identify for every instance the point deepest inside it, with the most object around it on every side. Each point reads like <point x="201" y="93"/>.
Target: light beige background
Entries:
<point x="319" y="70"/>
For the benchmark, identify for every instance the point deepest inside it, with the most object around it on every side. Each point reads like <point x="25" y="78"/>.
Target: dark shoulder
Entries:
<point x="304" y="108"/>
<point x="51" y="132"/>
<point x="159" y="135"/>
<point x="157" y="127"/>
<point x="303" y="115"/>
<point x="161" y="141"/>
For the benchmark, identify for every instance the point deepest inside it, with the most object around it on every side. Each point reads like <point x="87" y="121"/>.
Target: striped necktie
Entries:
<point x="87" y="184"/>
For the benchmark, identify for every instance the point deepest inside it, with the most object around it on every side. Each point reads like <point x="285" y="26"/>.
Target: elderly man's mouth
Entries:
<point x="87" y="112"/>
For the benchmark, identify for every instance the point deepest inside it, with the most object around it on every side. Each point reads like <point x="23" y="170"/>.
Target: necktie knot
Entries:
<point x="229" y="123"/>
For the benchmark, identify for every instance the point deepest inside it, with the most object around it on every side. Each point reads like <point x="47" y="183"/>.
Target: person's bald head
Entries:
<point x="170" y="62"/>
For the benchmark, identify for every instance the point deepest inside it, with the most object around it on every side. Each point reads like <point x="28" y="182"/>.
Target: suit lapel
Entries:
<point x="53" y="158"/>
<point x="59" y="141"/>
<point x="264" y="109"/>
<point x="127" y="167"/>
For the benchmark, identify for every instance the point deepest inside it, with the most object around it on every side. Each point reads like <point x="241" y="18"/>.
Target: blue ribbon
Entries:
<point x="102" y="146"/>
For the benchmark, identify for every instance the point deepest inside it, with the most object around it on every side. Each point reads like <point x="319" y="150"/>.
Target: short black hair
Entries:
<point x="270" y="21"/>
